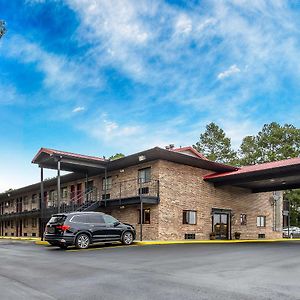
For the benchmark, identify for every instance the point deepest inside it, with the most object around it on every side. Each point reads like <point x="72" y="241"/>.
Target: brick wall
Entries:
<point x="182" y="188"/>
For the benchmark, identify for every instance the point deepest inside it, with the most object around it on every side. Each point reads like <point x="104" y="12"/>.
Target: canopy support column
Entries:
<point x="42" y="204"/>
<point x="58" y="186"/>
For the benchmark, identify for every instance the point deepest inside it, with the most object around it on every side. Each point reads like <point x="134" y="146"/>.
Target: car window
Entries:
<point x="57" y="219"/>
<point x="97" y="218"/>
<point x="79" y="219"/>
<point x="109" y="219"/>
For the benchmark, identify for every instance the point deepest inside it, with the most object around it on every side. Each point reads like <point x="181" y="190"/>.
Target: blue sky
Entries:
<point x="99" y="77"/>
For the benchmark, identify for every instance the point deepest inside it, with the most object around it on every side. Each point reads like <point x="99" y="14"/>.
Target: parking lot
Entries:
<point x="195" y="271"/>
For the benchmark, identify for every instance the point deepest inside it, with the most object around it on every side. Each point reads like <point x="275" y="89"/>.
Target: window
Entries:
<point x="243" y="219"/>
<point x="261" y="221"/>
<point x="25" y="200"/>
<point x="144" y="190"/>
<point x="34" y="222"/>
<point x="105" y="196"/>
<point x="95" y="218"/>
<point x="11" y="224"/>
<point x="64" y="192"/>
<point x="146" y="216"/>
<point x="52" y="195"/>
<point x="107" y="183"/>
<point x="25" y="223"/>
<point x="261" y="236"/>
<point x="34" y="198"/>
<point x="109" y="219"/>
<point x="79" y="219"/>
<point x="189" y="217"/>
<point x="58" y="219"/>
<point x="144" y="175"/>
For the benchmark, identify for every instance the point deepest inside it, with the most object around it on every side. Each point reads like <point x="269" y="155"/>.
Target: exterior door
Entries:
<point x="221" y="225"/>
<point x="72" y="192"/>
<point x="79" y="193"/>
<point x="88" y="189"/>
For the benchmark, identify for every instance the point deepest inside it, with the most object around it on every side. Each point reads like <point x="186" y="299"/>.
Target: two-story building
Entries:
<point x="175" y="194"/>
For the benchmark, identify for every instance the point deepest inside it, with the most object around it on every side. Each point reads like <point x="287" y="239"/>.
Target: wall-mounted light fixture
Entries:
<point x="142" y="157"/>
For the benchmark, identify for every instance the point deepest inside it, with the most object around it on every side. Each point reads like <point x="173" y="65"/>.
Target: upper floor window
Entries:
<point x="144" y="175"/>
<point x="107" y="183"/>
<point x="25" y="200"/>
<point x="261" y="221"/>
<point x="64" y="192"/>
<point x="189" y="217"/>
<point x="52" y="195"/>
<point x="34" y="198"/>
<point x="243" y="219"/>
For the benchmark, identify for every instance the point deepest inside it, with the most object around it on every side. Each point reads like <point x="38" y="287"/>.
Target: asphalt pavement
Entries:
<point x="194" y="271"/>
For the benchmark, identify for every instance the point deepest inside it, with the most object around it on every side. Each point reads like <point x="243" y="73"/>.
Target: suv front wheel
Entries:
<point x="127" y="238"/>
<point x="82" y="241"/>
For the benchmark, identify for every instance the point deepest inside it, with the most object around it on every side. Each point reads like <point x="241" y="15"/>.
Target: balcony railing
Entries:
<point x="76" y="201"/>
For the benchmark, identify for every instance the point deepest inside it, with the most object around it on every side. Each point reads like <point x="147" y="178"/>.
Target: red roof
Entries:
<point x="257" y="168"/>
<point x="190" y="148"/>
<point x="64" y="153"/>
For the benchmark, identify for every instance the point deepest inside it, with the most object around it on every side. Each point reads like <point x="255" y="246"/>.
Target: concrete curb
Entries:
<point x="148" y="243"/>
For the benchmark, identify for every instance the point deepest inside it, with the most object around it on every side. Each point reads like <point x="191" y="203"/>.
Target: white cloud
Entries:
<point x="60" y="73"/>
<point x="103" y="128"/>
<point x="183" y="24"/>
<point x="229" y="72"/>
<point x="78" y="109"/>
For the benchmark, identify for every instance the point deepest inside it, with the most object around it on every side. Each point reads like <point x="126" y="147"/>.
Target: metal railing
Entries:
<point x="78" y="201"/>
<point x="131" y="188"/>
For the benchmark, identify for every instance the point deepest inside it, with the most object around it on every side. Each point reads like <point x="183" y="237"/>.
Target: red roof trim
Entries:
<point x="189" y="148"/>
<point x="64" y="153"/>
<point x="257" y="168"/>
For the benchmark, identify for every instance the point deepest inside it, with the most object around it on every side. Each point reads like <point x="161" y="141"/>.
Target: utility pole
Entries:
<point x="2" y="28"/>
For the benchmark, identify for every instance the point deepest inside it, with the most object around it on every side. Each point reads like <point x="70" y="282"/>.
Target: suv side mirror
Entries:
<point x="116" y="223"/>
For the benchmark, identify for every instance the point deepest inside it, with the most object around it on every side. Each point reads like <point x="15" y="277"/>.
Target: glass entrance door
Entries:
<point x="221" y="225"/>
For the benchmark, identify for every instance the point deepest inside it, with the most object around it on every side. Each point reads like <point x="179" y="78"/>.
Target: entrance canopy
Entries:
<point x="272" y="176"/>
<point x="48" y="158"/>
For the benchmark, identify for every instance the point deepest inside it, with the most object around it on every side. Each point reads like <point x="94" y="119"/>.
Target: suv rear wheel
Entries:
<point x="82" y="241"/>
<point x="127" y="238"/>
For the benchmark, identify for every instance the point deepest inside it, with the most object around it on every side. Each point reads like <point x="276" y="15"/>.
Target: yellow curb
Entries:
<point x="19" y="238"/>
<point x="211" y="242"/>
<point x="42" y="243"/>
<point x="178" y="242"/>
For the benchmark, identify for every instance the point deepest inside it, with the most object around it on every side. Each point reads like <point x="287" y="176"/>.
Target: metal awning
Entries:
<point x="77" y="163"/>
<point x="272" y="176"/>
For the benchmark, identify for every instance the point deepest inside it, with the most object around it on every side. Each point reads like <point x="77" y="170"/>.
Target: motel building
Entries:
<point x="175" y="193"/>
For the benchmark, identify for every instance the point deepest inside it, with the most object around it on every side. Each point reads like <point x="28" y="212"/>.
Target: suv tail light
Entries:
<point x="63" y="227"/>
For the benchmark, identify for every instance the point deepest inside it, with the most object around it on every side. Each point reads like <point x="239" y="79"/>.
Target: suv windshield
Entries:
<point x="58" y="219"/>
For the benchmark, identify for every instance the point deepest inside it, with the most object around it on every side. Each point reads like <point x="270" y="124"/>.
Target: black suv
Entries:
<point x="84" y="228"/>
